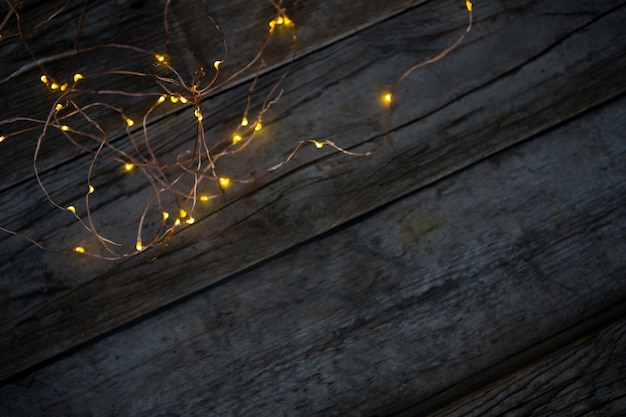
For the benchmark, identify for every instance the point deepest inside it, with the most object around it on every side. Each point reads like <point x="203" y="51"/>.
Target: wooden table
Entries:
<point x="473" y="265"/>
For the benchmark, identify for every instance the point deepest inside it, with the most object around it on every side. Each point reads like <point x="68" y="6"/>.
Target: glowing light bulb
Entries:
<point x="258" y="126"/>
<point x="224" y="181"/>
<point x="198" y="114"/>
<point x="183" y="100"/>
<point x="279" y="20"/>
<point x="64" y="87"/>
<point x="166" y="215"/>
<point x="44" y="79"/>
<point x="2" y="138"/>
<point x="319" y="145"/>
<point x="177" y="222"/>
<point x="72" y="209"/>
<point x="139" y="246"/>
<point x="387" y="98"/>
<point x="65" y="128"/>
<point x="236" y="138"/>
<point x="287" y="21"/>
<point x="58" y="107"/>
<point x="161" y="99"/>
<point x="79" y="249"/>
<point x="174" y="99"/>
<point x="54" y="86"/>
<point x="217" y="63"/>
<point x="159" y="57"/>
<point x="190" y="220"/>
<point x="204" y="198"/>
<point x="182" y="213"/>
<point x="78" y="77"/>
<point x="129" y="166"/>
<point x="244" y="121"/>
<point x="91" y="189"/>
<point x="130" y="122"/>
<point x="468" y="4"/>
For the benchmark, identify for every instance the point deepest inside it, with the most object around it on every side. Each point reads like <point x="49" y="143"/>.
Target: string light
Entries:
<point x="197" y="164"/>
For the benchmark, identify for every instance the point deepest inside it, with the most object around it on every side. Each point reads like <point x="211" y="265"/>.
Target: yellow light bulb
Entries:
<point x="468" y="4"/>
<point x="44" y="79"/>
<point x="130" y="122"/>
<point x="177" y="222"/>
<point x="72" y="209"/>
<point x="279" y="20"/>
<point x="182" y="214"/>
<point x="64" y="87"/>
<point x="77" y="77"/>
<point x="58" y="107"/>
<point x="183" y="100"/>
<point x="166" y="215"/>
<point x="287" y="21"/>
<point x="244" y="121"/>
<point x="160" y="58"/>
<point x="204" y="198"/>
<point x="198" y="114"/>
<point x="217" y="63"/>
<point x="91" y="189"/>
<point x="139" y="246"/>
<point x="258" y="126"/>
<point x="54" y="86"/>
<point x="387" y="98"/>
<point x="79" y="249"/>
<point x="161" y="99"/>
<point x="318" y="144"/>
<point x="236" y="138"/>
<point x="190" y="220"/>
<point x="174" y="99"/>
<point x="65" y="128"/>
<point x="224" y="181"/>
<point x="2" y="138"/>
<point x="129" y="166"/>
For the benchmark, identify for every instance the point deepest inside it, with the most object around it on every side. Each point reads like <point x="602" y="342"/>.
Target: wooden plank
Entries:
<point x="386" y="312"/>
<point x="586" y="378"/>
<point x="308" y="198"/>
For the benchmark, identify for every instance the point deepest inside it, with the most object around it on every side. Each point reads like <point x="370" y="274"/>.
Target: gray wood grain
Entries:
<point x="584" y="379"/>
<point x="388" y="311"/>
<point x="459" y="117"/>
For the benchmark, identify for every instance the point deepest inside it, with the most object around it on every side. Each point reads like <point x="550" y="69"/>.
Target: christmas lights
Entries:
<point x="175" y="185"/>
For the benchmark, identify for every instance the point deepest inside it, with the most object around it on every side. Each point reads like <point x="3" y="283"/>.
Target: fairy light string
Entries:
<point x="177" y="187"/>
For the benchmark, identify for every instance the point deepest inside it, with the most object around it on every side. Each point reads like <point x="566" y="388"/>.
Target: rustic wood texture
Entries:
<point x="390" y="311"/>
<point x="584" y="379"/>
<point x="353" y="286"/>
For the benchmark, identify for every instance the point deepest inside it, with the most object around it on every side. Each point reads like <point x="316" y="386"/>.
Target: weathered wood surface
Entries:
<point x="492" y="93"/>
<point x="587" y="378"/>
<point x="391" y="311"/>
